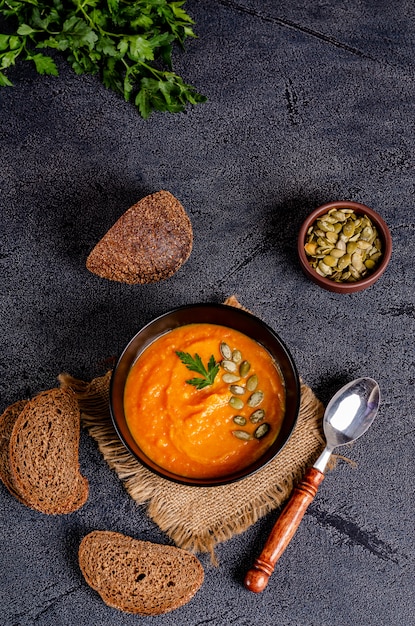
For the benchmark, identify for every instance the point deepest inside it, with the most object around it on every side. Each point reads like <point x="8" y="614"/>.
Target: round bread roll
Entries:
<point x="148" y="243"/>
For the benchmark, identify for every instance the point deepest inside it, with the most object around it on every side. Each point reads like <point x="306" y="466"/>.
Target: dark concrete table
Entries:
<point x="307" y="103"/>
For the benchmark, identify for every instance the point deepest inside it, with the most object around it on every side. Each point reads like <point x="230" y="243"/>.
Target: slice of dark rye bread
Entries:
<point x="7" y="422"/>
<point x="40" y="452"/>
<point x="148" y="243"/>
<point x="139" y="576"/>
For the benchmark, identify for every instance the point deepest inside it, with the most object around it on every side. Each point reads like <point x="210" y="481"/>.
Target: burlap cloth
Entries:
<point x="198" y="518"/>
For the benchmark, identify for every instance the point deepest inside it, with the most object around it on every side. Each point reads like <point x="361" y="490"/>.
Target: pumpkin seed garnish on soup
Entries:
<point x="238" y="390"/>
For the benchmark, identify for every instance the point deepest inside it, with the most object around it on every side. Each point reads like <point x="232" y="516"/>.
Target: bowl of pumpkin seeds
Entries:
<point x="344" y="246"/>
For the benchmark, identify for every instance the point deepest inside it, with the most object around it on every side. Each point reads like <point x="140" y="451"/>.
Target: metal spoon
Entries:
<point x="348" y="415"/>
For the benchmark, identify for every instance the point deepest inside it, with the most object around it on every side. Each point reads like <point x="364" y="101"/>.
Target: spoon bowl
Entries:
<point x="348" y="415"/>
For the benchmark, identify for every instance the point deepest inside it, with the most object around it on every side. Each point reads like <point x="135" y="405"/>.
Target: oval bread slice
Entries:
<point x="139" y="576"/>
<point x="7" y="422"/>
<point x="148" y="243"/>
<point x="44" y="453"/>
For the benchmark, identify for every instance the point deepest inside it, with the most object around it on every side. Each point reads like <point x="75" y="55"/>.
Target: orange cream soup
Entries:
<point x="189" y="431"/>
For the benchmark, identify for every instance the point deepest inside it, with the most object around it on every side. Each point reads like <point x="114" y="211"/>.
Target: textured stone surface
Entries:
<point x="308" y="102"/>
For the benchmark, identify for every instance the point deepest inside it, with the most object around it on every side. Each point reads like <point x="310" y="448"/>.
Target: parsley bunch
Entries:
<point x="129" y="44"/>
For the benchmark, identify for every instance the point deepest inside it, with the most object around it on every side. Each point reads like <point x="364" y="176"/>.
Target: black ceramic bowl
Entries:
<point x="214" y="314"/>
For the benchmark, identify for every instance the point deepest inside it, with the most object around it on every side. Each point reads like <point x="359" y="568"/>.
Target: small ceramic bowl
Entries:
<point x="366" y="281"/>
<point x="213" y="314"/>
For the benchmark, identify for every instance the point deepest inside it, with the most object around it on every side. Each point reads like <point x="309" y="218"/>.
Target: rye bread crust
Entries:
<point x="44" y="454"/>
<point x="148" y="243"/>
<point x="137" y="576"/>
<point x="7" y="422"/>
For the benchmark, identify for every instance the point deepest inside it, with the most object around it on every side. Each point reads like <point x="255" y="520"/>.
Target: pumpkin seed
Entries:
<point x="362" y="244"/>
<point x="236" y="403"/>
<point x="257" y="416"/>
<point x="256" y="398"/>
<point x="244" y="368"/>
<point x="225" y="351"/>
<point x="354" y="273"/>
<point x="339" y="215"/>
<point x="375" y="257"/>
<point x="351" y="247"/>
<point x="325" y="226"/>
<point x="242" y="434"/>
<point x="262" y="430"/>
<point x="240" y="420"/>
<point x="330" y="260"/>
<point x="332" y="237"/>
<point x="236" y="356"/>
<point x="357" y="262"/>
<point x="230" y="378"/>
<point x="229" y="366"/>
<point x="322" y="251"/>
<point x="344" y="262"/>
<point x="252" y="382"/>
<point x="325" y="269"/>
<point x="348" y="229"/>
<point x="310" y="248"/>
<point x="237" y="390"/>
<point x="327" y="217"/>
<point x="367" y="233"/>
<point x="337" y="253"/>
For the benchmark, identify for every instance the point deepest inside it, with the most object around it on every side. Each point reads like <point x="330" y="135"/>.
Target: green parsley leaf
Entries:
<point x="25" y="29"/>
<point x="45" y="64"/>
<point x="195" y="364"/>
<point x="4" y="81"/>
<point x="140" y="49"/>
<point x="4" y="42"/>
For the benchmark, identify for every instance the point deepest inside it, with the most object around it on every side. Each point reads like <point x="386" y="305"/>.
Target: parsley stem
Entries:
<point x="153" y="70"/>
<point x="91" y="22"/>
<point x="95" y="26"/>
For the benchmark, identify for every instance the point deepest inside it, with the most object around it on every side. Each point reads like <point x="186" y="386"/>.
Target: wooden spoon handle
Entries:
<point x="284" y="529"/>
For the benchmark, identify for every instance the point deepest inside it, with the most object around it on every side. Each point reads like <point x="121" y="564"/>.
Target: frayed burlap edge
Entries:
<point x="198" y="518"/>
